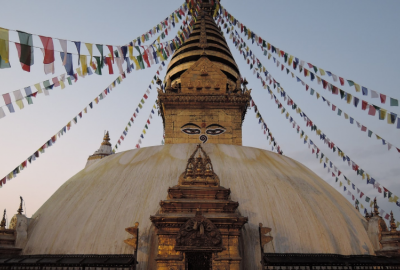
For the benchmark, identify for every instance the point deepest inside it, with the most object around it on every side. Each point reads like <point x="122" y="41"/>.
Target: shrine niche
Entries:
<point x="199" y="234"/>
<point x="198" y="226"/>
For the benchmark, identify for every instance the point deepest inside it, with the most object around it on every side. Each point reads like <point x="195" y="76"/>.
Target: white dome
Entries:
<point x="89" y="213"/>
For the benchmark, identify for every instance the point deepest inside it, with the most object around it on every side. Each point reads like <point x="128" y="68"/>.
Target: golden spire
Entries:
<point x="393" y="226"/>
<point x="376" y="212"/>
<point x="3" y="222"/>
<point x="106" y="139"/>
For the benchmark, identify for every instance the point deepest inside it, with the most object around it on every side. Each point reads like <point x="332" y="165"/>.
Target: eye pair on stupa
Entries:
<point x="193" y="129"/>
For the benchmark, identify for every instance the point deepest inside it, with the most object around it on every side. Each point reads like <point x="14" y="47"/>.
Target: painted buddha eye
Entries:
<point x="216" y="131"/>
<point x="191" y="131"/>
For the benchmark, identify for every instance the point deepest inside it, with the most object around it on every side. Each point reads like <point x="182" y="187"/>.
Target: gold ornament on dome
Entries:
<point x="199" y="84"/>
<point x="199" y="170"/>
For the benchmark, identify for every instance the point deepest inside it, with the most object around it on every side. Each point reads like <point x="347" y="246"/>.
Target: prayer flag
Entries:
<point x="394" y="102"/>
<point x="89" y="47"/>
<point x="78" y="48"/>
<point x="48" y="49"/>
<point x="4" y="48"/>
<point x="25" y="50"/>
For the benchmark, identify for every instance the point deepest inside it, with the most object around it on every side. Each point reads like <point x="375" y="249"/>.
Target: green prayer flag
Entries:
<point x="100" y="48"/>
<point x="264" y="44"/>
<point x="3" y="64"/>
<point x="337" y="179"/>
<point x="312" y="92"/>
<point x="99" y="65"/>
<point x="47" y="85"/>
<point x="140" y="106"/>
<point x="341" y="94"/>
<point x="367" y="199"/>
<point x="69" y="81"/>
<point x="394" y="102"/>
<point x="339" y="112"/>
<point x="142" y="101"/>
<point x="315" y="69"/>
<point x="351" y="83"/>
<point x="29" y="99"/>
<point x="146" y="126"/>
<point x="369" y="133"/>
<point x="384" y="194"/>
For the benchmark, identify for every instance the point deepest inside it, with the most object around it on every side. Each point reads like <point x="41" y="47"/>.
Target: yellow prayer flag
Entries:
<point x="321" y="71"/>
<point x="263" y="69"/>
<point x="340" y="184"/>
<point x="85" y="110"/>
<point x="158" y="39"/>
<point x="348" y="182"/>
<point x="62" y="84"/>
<point x="84" y="65"/>
<point x="389" y="119"/>
<point x="306" y="138"/>
<point x="292" y="74"/>
<point x="269" y="56"/>
<point x="301" y="135"/>
<point x="20" y="103"/>
<point x="136" y="63"/>
<point x="393" y="199"/>
<point x="349" y="98"/>
<point x="320" y="161"/>
<point x="290" y="60"/>
<point x="130" y="50"/>
<point x="287" y="114"/>
<point x="144" y="131"/>
<point x="371" y="204"/>
<point x="346" y="116"/>
<point x="78" y="70"/>
<point x="326" y="159"/>
<point x="90" y="49"/>
<point x="362" y="206"/>
<point x="142" y="38"/>
<point x="368" y="176"/>
<point x="283" y="110"/>
<point x="378" y="138"/>
<point x="176" y="18"/>
<point x="357" y="86"/>
<point x="38" y="88"/>
<point x="318" y="132"/>
<point x="154" y="106"/>
<point x="382" y="114"/>
<point x="363" y="176"/>
<point x="96" y="100"/>
<point x="4" y="44"/>
<point x="317" y="96"/>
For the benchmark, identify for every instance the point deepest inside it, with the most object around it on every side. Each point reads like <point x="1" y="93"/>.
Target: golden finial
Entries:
<point x="106" y="139"/>
<point x="3" y="222"/>
<point x="376" y="212"/>
<point x="20" y="210"/>
<point x="393" y="226"/>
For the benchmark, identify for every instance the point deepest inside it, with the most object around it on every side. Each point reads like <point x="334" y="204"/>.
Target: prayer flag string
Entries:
<point x="298" y="62"/>
<point x="331" y="144"/>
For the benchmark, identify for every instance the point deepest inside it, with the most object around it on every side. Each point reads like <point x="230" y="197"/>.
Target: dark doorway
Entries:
<point x="198" y="260"/>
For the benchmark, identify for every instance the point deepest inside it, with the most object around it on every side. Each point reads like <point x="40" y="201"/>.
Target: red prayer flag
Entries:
<point x="364" y="105"/>
<point x="122" y="137"/>
<point x="310" y="65"/>
<point x="112" y="54"/>
<point x="48" y="49"/>
<point x="372" y="110"/>
<point x="56" y="82"/>
<point x="119" y="141"/>
<point x="324" y="83"/>
<point x="148" y="121"/>
<point x="306" y="87"/>
<point x="145" y="96"/>
<point x="398" y="150"/>
<point x="333" y="107"/>
<point x="341" y="80"/>
<point x="383" y="98"/>
<point x="23" y="164"/>
<point x="363" y="128"/>
<point x="335" y="90"/>
<point x="387" y="216"/>
<point x="361" y="194"/>
<point x="80" y="115"/>
<point x="34" y="94"/>
<point x="339" y="172"/>
<point x="134" y="115"/>
<point x="26" y="59"/>
<point x="109" y="64"/>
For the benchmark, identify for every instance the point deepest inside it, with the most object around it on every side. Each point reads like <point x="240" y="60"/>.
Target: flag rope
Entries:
<point x="265" y="71"/>
<point x="103" y="94"/>
<point x="331" y="144"/>
<point x="264" y="44"/>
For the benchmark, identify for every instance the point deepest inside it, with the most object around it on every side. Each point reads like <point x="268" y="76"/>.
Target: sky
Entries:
<point x="353" y="39"/>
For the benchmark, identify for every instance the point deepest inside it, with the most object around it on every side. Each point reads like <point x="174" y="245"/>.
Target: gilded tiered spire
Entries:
<point x="106" y="139"/>
<point x="203" y="100"/>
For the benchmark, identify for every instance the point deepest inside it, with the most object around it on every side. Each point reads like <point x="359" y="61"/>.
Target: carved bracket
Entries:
<point x="133" y="241"/>
<point x="264" y="239"/>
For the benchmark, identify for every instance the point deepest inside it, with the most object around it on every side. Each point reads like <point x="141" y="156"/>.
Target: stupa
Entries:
<point x="202" y="200"/>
